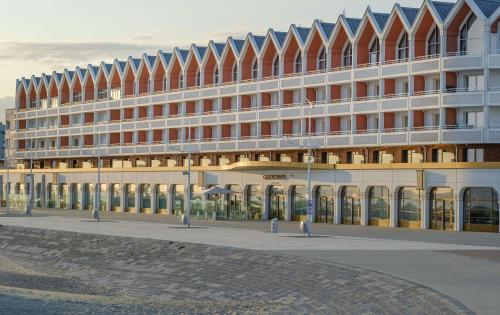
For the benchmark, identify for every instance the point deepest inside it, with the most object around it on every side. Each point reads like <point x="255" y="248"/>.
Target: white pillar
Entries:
<point x="394" y="210"/>
<point x="425" y="207"/>
<point x="364" y="208"/>
<point x="338" y="207"/>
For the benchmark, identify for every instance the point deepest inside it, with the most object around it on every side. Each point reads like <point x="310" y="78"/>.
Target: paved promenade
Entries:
<point x="462" y="268"/>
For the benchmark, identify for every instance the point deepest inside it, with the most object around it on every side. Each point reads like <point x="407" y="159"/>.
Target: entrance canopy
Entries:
<point x="216" y="191"/>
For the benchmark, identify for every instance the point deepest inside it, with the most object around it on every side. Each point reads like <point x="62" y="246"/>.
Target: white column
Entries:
<point x="394" y="210"/>
<point x="338" y="207"/>
<point x="459" y="211"/>
<point x="138" y="198"/>
<point x="364" y="208"/>
<point x="288" y="204"/>
<point x="265" y="203"/>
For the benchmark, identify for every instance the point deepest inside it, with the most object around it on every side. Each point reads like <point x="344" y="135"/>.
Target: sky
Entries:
<point x="43" y="36"/>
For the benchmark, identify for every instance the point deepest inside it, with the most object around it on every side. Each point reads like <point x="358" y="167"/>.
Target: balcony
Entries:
<point x="461" y="134"/>
<point x="339" y="75"/>
<point x="462" y="97"/>
<point x="367" y="71"/>
<point x="394" y="102"/>
<point x="425" y="64"/>
<point x="394" y="136"/>
<point x="462" y="61"/>
<point x="424" y="135"/>
<point x="365" y="104"/>
<point x="395" y="68"/>
<point x="425" y="99"/>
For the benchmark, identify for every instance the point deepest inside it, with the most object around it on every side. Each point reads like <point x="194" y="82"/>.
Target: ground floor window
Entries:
<point x="276" y="202"/>
<point x="254" y="202"/>
<point x="481" y="210"/>
<point x="196" y="201"/>
<point x="51" y="196"/>
<point x="63" y="196"/>
<point x="103" y="197"/>
<point x="75" y="196"/>
<point x="88" y="196"/>
<point x="38" y="195"/>
<point x="442" y="213"/>
<point x="115" y="197"/>
<point x="409" y="210"/>
<point x="351" y="205"/>
<point x="378" y="206"/>
<point x="145" y="194"/>
<point x="233" y="203"/>
<point x="161" y="198"/>
<point x="299" y="203"/>
<point x="178" y="200"/>
<point x="130" y="197"/>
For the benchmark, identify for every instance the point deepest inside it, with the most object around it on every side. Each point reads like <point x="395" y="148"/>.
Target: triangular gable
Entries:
<point x="459" y="5"/>
<point x="396" y="13"/>
<point x="211" y="50"/>
<point x="317" y="27"/>
<point x="427" y="5"/>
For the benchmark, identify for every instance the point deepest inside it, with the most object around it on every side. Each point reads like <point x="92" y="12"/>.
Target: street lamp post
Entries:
<point x="309" y="188"/>
<point x="96" y="211"/>
<point x="29" y="205"/>
<point x="7" y="186"/>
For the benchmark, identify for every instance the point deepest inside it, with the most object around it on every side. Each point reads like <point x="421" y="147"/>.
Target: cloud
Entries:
<point x="70" y="54"/>
<point x="6" y="102"/>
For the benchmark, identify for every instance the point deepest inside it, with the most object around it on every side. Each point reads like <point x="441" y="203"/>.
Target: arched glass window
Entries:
<point x="235" y="72"/>
<point x="115" y="197"/>
<point x="481" y="210"/>
<point x="178" y="200"/>
<point x="276" y="202"/>
<point x="322" y="59"/>
<point x="198" y="78"/>
<point x="374" y="52"/>
<point x="347" y="56"/>
<point x="402" y="49"/>
<point x="255" y="69"/>
<point x="276" y="66"/>
<point x="130" y="198"/>
<point x="351" y="205"/>
<point x="434" y="43"/>
<point x="441" y="209"/>
<point x="378" y="206"/>
<point x="464" y="34"/>
<point x="145" y="194"/>
<point x="299" y="203"/>
<point x="409" y="211"/>
<point x="298" y="62"/>
<point x="181" y="81"/>
<point x="216" y="75"/>
<point x="254" y="202"/>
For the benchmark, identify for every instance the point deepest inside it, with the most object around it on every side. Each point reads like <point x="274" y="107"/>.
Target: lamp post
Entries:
<point x="186" y="217"/>
<point x="309" y="188"/>
<point x="29" y="205"/>
<point x="7" y="186"/>
<point x="96" y="211"/>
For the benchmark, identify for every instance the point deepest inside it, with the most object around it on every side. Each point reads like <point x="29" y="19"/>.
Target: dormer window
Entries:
<point x="464" y="34"/>
<point x="322" y="59"/>
<point x="198" y="78"/>
<point x="298" y="62"/>
<point x="255" y="69"/>
<point x="347" y="56"/>
<point x="276" y="66"/>
<point x="434" y="43"/>
<point x="181" y="81"/>
<point x="235" y="72"/>
<point x="216" y="75"/>
<point x="402" y="49"/>
<point x="374" y="52"/>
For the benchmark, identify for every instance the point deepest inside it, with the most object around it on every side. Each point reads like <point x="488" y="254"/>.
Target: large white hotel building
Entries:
<point x="404" y="124"/>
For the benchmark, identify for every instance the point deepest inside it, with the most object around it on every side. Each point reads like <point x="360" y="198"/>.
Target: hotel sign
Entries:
<point x="274" y="177"/>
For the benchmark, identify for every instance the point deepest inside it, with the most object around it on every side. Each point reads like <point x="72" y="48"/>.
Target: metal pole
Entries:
<point x="188" y="212"/>
<point x="96" y="211"/>
<point x="309" y="189"/>
<point x="7" y="204"/>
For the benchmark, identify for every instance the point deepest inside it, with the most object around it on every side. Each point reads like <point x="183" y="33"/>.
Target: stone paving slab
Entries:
<point x="176" y="277"/>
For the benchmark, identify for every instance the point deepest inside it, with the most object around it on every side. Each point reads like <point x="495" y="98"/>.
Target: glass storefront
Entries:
<point x="196" y="202"/>
<point x="277" y="197"/>
<point x="178" y="200"/>
<point x="233" y="203"/>
<point x="116" y="197"/>
<point x="38" y="195"/>
<point x="51" y="196"/>
<point x="324" y="204"/>
<point x="351" y="205"/>
<point x="75" y="196"/>
<point x="254" y="202"/>
<point x="378" y="206"/>
<point x="442" y="213"/>
<point x="409" y="210"/>
<point x="299" y="203"/>
<point x="145" y="198"/>
<point x="63" y="196"/>
<point x="481" y="210"/>
<point x="103" y="197"/>
<point x="88" y="196"/>
<point x="129" y="198"/>
<point x="161" y="199"/>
